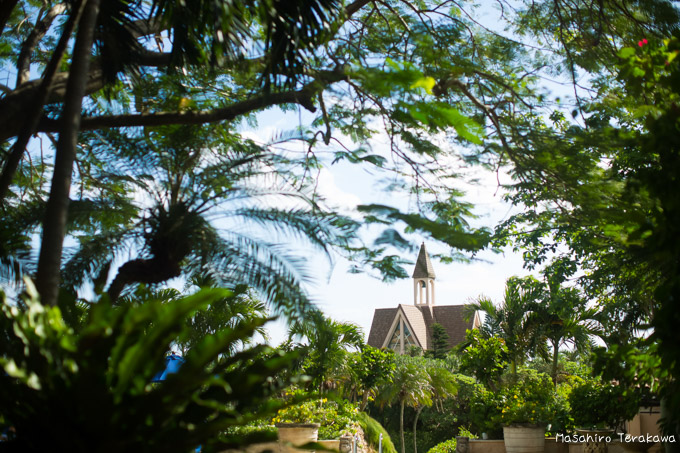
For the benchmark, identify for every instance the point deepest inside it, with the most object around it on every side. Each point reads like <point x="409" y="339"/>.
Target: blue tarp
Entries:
<point x="173" y="362"/>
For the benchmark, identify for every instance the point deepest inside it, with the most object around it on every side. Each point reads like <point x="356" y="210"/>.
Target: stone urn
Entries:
<point x="292" y="435"/>
<point x="595" y="440"/>
<point x="524" y="438"/>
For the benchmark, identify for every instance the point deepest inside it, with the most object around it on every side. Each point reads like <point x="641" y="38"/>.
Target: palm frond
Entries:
<point x="321" y="229"/>
<point x="91" y="256"/>
<point x="267" y="268"/>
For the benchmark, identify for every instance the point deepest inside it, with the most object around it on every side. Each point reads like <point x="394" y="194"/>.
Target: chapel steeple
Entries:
<point x="423" y="279"/>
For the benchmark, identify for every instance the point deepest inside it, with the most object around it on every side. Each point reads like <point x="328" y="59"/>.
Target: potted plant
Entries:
<point x="317" y="419"/>
<point x="295" y="426"/>
<point x="598" y="409"/>
<point x="528" y="406"/>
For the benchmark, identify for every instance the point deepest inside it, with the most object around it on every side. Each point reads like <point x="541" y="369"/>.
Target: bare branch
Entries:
<point x="25" y="123"/>
<point x="38" y="32"/>
<point x="303" y="97"/>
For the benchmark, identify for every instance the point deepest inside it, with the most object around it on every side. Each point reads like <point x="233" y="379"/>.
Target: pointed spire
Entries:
<point x="424" y="267"/>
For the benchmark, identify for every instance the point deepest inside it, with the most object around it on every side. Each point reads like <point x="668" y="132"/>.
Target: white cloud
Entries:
<point x="334" y="195"/>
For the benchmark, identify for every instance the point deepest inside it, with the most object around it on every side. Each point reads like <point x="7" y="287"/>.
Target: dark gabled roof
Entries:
<point x="452" y="319"/>
<point x="420" y="321"/>
<point x="382" y="321"/>
<point x="423" y="267"/>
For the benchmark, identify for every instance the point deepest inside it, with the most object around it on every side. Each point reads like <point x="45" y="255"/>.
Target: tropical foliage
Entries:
<point x="596" y="405"/>
<point x="336" y="418"/>
<point x="325" y="347"/>
<point x="448" y="446"/>
<point x="484" y="358"/>
<point x="140" y="172"/>
<point x="529" y="400"/>
<point x="58" y="384"/>
<point x="509" y="321"/>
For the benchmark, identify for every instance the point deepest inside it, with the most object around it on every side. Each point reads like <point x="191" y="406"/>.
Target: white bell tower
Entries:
<point x="423" y="280"/>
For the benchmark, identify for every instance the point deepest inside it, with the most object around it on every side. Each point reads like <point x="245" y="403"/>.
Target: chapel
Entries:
<point x="408" y="325"/>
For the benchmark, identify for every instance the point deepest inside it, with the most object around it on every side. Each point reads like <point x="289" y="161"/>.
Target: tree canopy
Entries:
<point x="124" y="85"/>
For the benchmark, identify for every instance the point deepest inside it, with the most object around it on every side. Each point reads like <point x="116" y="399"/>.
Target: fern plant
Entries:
<point x="90" y="390"/>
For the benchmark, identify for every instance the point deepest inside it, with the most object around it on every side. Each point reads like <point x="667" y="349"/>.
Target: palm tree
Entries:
<point x="204" y="202"/>
<point x="442" y="385"/>
<point x="564" y="319"/>
<point x="326" y="345"/>
<point x="203" y="33"/>
<point x="509" y="320"/>
<point x="408" y="386"/>
<point x="224" y="314"/>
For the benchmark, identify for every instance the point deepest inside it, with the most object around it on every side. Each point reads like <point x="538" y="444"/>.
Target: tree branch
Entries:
<point x="13" y="111"/>
<point x="355" y="6"/>
<point x="303" y="97"/>
<point x="24" y="120"/>
<point x="38" y="32"/>
<point x="56" y="209"/>
<point x="146" y="27"/>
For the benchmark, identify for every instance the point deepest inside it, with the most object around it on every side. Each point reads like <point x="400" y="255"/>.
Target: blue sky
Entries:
<point x="353" y="297"/>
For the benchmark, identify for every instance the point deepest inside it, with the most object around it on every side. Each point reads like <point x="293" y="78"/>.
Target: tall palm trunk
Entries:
<point x="54" y="226"/>
<point x="401" y="427"/>
<point x="556" y="352"/>
<point x="364" y="400"/>
<point x="415" y="424"/>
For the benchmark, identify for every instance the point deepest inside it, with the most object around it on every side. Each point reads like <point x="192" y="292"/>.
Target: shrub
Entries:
<point x="464" y="432"/>
<point x="485" y="412"/>
<point x="90" y="390"/>
<point x="448" y="446"/>
<point x="530" y="399"/>
<point x="335" y="418"/>
<point x="561" y="421"/>
<point x="372" y="431"/>
<point x="484" y="358"/>
<point x="597" y="405"/>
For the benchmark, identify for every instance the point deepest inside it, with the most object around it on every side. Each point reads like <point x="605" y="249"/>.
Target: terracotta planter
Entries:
<point x="296" y="434"/>
<point x="595" y="440"/>
<point x="524" y="439"/>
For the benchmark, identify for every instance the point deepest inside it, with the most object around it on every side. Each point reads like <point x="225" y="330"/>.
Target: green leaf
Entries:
<point x="626" y="52"/>
<point x="424" y="82"/>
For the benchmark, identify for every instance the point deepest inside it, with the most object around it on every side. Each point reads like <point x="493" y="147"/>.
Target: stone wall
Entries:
<point x="551" y="446"/>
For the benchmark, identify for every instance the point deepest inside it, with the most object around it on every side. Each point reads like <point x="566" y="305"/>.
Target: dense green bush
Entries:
<point x="530" y="398"/>
<point x="372" y="431"/>
<point x="484" y="358"/>
<point x="473" y="408"/>
<point x="90" y="390"/>
<point x="448" y="446"/>
<point x="485" y="412"/>
<point x="602" y="405"/>
<point x="335" y="418"/>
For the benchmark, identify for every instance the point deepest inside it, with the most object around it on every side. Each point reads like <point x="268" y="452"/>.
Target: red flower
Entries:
<point x="643" y="42"/>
